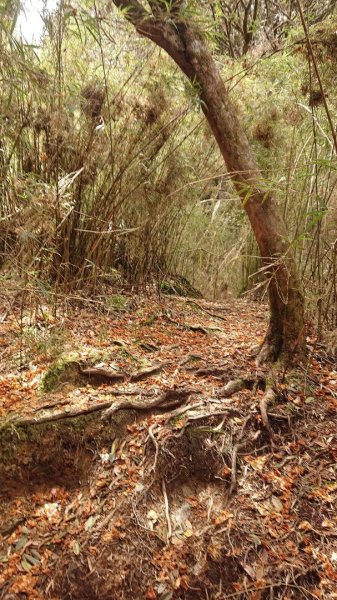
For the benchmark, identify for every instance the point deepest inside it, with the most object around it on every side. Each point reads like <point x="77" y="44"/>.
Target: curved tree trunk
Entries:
<point x="185" y="44"/>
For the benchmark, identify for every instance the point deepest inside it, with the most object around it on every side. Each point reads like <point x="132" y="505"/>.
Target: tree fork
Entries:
<point x="186" y="46"/>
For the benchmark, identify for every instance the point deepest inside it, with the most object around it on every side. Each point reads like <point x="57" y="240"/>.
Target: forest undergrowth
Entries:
<point x="144" y="459"/>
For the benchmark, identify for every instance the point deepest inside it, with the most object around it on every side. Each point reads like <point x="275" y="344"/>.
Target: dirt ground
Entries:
<point x="193" y="486"/>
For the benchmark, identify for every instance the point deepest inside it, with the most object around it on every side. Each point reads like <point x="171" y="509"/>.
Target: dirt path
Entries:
<point x="190" y="500"/>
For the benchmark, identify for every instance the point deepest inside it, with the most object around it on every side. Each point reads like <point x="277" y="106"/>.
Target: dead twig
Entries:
<point x="156" y="445"/>
<point x="180" y="411"/>
<point x="208" y="312"/>
<point x="167" y="511"/>
<point x="239" y="444"/>
<point x="267" y="399"/>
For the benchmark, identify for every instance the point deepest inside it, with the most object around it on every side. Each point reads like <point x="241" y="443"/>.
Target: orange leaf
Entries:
<point x="151" y="594"/>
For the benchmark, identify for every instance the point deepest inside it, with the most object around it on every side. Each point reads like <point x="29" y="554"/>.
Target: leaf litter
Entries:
<point x="188" y="499"/>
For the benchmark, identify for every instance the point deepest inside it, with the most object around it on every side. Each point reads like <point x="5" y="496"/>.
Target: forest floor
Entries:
<point x="192" y="486"/>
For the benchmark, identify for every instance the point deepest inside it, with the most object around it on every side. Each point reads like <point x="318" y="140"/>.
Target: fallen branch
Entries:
<point x="208" y="312"/>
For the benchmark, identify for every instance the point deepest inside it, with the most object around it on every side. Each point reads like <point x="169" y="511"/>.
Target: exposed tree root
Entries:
<point x="231" y="388"/>
<point x="169" y="399"/>
<point x="78" y="374"/>
<point x="144" y="373"/>
<point x="26" y="421"/>
<point x="205" y="372"/>
<point x="100" y="375"/>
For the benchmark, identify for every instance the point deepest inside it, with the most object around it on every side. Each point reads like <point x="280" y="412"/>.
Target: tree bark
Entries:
<point x="185" y="44"/>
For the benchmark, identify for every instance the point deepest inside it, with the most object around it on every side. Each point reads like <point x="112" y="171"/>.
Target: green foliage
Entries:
<point x="49" y="344"/>
<point x="118" y="302"/>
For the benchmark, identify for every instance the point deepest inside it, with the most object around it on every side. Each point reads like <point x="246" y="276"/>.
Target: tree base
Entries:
<point x="275" y="350"/>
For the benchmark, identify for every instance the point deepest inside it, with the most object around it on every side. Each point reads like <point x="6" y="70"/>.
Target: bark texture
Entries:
<point x="187" y="47"/>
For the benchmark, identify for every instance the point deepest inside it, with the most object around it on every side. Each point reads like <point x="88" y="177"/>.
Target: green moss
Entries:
<point x="61" y="371"/>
